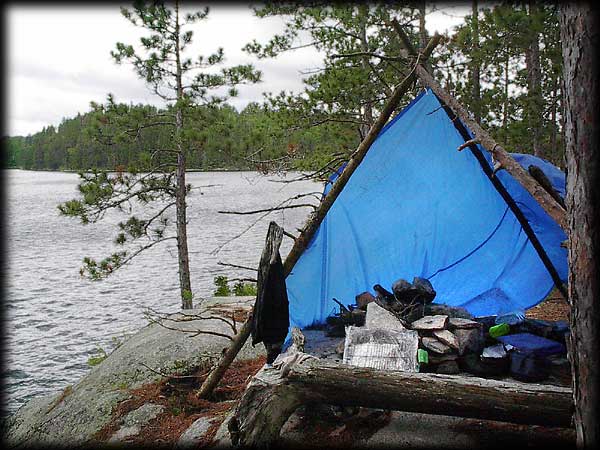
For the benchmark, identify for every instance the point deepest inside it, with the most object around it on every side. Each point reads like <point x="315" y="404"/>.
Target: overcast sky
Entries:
<point x="58" y="58"/>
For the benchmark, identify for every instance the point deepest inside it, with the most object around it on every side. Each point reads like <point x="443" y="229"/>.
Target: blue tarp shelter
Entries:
<point x="418" y="207"/>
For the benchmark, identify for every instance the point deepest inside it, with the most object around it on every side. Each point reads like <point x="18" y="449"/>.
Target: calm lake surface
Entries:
<point x="56" y="320"/>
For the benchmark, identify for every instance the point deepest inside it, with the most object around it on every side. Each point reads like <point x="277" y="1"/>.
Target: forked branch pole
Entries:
<point x="274" y="394"/>
<point x="550" y="205"/>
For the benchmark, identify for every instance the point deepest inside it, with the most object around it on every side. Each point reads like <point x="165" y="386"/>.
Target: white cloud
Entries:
<point x="59" y="59"/>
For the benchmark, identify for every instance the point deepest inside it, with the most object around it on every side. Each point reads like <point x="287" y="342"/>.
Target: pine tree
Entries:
<point x="183" y="83"/>
<point x="361" y="63"/>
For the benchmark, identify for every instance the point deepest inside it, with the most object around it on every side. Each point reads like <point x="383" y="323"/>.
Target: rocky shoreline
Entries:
<point x="77" y="414"/>
<point x="142" y="395"/>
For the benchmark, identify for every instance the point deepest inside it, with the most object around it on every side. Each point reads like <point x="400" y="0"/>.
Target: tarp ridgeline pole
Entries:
<point x="507" y="162"/>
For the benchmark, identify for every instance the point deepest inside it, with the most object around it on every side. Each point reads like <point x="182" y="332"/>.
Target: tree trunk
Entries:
<point x="534" y="82"/>
<point x="505" y="94"/>
<point x="423" y="32"/>
<point x="364" y="46"/>
<point x="274" y="394"/>
<point x="553" y="130"/>
<point x="185" y="284"/>
<point x="475" y="66"/>
<point x="580" y="38"/>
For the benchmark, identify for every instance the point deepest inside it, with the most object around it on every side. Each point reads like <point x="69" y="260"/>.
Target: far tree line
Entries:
<point x="224" y="139"/>
<point x="504" y="63"/>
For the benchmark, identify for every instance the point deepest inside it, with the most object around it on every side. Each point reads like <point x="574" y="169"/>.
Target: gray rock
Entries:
<point x="447" y="338"/>
<point x="73" y="420"/>
<point x="430" y="323"/>
<point x="435" y="346"/>
<point x="413" y="430"/>
<point x="420" y="291"/>
<point x="196" y="432"/>
<point x="222" y="438"/>
<point x="133" y="422"/>
<point x="469" y="340"/>
<point x="378" y="317"/>
<point x="424" y="286"/>
<point x="400" y="287"/>
<point x="459" y="322"/>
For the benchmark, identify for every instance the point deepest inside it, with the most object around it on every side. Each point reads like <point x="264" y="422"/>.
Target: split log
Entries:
<point x="550" y="205"/>
<point x="274" y="394"/>
<point x="312" y="225"/>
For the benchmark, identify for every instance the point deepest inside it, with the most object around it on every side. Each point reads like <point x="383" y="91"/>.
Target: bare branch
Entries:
<point x="276" y="208"/>
<point x="375" y="55"/>
<point x="290" y="235"/>
<point x="236" y="266"/>
<point x="467" y="144"/>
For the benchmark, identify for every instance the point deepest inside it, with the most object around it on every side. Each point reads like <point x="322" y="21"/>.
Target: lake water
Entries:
<point x="55" y="320"/>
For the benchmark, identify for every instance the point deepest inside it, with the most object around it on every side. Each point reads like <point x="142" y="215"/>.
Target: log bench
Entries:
<point x="298" y="379"/>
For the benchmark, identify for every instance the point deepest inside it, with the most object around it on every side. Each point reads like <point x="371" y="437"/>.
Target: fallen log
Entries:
<point x="275" y="393"/>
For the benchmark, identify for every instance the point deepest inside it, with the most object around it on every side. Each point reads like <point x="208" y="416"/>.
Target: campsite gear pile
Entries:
<point x="406" y="301"/>
<point x="415" y="335"/>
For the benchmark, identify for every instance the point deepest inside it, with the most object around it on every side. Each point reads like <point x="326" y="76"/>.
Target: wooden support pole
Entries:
<point x="550" y="205"/>
<point x="274" y="394"/>
<point x="306" y="234"/>
<point x="317" y="217"/>
<point x="211" y="382"/>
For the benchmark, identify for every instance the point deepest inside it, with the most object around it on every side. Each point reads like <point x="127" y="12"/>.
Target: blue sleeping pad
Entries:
<point x="530" y="343"/>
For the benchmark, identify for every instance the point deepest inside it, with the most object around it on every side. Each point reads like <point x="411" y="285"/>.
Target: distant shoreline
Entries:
<point x="77" y="171"/>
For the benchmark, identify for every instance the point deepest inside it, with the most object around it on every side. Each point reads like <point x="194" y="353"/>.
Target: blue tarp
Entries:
<point x="417" y="207"/>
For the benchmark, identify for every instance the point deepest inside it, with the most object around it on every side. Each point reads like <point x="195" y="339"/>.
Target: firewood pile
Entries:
<point x="446" y="338"/>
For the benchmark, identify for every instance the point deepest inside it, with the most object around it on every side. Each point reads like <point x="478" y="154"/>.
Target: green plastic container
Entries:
<point x="422" y="356"/>
<point x="499" y="330"/>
